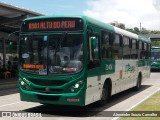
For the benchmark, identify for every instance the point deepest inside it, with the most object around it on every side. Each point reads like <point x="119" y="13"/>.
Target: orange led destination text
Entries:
<point x="31" y="66"/>
<point x="52" y="25"/>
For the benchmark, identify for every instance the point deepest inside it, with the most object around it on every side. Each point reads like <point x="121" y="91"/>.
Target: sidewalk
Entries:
<point x="8" y="83"/>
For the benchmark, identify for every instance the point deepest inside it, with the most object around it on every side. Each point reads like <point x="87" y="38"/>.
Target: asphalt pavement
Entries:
<point x="125" y="101"/>
<point x="6" y="84"/>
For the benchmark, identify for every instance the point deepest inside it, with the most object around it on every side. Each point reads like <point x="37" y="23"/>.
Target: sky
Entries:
<point x="129" y="12"/>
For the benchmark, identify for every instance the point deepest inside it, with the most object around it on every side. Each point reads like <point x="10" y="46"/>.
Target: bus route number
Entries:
<point x="109" y="67"/>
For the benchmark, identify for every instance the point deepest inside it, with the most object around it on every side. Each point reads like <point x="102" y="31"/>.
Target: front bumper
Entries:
<point x="77" y="99"/>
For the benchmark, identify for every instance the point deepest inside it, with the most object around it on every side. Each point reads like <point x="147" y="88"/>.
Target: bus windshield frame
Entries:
<point x="51" y="54"/>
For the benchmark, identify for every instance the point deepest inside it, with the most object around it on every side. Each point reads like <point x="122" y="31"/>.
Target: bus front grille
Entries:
<point x="48" y="91"/>
<point x="43" y="82"/>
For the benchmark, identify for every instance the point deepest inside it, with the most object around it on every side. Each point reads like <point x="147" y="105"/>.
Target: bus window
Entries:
<point x="140" y="50"/>
<point x="94" y="59"/>
<point x="134" y="51"/>
<point x="117" y="49"/>
<point x="137" y="44"/>
<point x="106" y="44"/>
<point x="146" y="51"/>
<point x="145" y="46"/>
<point x="140" y="45"/>
<point x="126" y="49"/>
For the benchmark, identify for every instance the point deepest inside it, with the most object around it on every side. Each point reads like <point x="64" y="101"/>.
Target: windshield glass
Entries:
<point x="155" y="54"/>
<point x="51" y="54"/>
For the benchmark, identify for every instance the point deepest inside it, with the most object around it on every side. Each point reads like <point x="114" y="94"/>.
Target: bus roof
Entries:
<point x="117" y="30"/>
<point x="154" y="47"/>
<point x="99" y="24"/>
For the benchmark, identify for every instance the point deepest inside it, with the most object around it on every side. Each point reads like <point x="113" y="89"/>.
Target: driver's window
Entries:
<point x="95" y="50"/>
<point x="94" y="58"/>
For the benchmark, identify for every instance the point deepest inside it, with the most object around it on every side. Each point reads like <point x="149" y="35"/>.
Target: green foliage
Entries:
<point x="156" y="43"/>
<point x="136" y="30"/>
<point x="122" y="26"/>
<point x="155" y="32"/>
<point x="130" y="29"/>
<point x="144" y="31"/>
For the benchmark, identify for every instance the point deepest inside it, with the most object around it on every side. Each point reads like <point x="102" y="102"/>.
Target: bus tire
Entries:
<point x="104" y="96"/>
<point x="138" y="85"/>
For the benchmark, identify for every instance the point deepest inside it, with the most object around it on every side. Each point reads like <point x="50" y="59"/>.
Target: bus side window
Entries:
<point x="141" y="51"/>
<point x="146" y="51"/>
<point x="117" y="47"/>
<point x="134" y="51"/>
<point x="149" y="50"/>
<point x="94" y="57"/>
<point x="126" y="49"/>
<point x="106" y="41"/>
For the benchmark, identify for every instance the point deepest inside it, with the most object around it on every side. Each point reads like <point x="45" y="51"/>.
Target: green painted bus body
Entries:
<point x="155" y="58"/>
<point x="57" y="89"/>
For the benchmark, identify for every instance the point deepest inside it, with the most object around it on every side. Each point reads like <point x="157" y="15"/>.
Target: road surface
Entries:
<point x="125" y="101"/>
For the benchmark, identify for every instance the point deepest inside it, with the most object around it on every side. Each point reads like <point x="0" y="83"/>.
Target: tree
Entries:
<point x="121" y="25"/>
<point x="130" y="30"/>
<point x="144" y="31"/>
<point x="155" y="32"/>
<point x="136" y="30"/>
<point x="156" y="43"/>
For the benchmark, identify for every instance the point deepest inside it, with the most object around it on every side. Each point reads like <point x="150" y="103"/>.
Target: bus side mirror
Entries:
<point x="10" y="46"/>
<point x="93" y="42"/>
<point x="11" y="43"/>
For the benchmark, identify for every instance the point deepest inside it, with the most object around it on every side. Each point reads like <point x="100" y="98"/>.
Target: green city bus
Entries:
<point x="155" y="58"/>
<point x="77" y="60"/>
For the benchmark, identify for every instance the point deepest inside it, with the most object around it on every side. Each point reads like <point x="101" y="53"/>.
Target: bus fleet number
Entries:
<point x="109" y="67"/>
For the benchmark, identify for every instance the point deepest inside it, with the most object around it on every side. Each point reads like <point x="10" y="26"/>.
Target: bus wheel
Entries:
<point x="138" y="85"/>
<point x="104" y="96"/>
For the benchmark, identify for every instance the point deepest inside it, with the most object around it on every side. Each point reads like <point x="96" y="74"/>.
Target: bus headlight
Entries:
<point x="24" y="84"/>
<point x="75" y="87"/>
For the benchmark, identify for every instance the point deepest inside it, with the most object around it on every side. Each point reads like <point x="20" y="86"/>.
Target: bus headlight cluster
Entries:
<point x="76" y="86"/>
<point x="24" y="83"/>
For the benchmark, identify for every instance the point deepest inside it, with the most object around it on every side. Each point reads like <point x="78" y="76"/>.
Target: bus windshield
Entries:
<point x="51" y="54"/>
<point x="155" y="54"/>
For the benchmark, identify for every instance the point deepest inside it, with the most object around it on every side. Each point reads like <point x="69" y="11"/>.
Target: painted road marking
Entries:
<point x="10" y="104"/>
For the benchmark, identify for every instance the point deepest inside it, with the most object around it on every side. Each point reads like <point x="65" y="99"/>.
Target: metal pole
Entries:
<point x="140" y="27"/>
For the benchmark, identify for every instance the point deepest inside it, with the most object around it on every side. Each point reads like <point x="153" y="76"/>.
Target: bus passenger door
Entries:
<point x="93" y="75"/>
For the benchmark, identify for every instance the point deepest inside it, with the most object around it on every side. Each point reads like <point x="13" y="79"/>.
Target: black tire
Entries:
<point x="104" y="97"/>
<point x="138" y="85"/>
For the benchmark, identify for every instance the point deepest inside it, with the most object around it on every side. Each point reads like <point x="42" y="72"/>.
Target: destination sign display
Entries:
<point x="53" y="24"/>
<point x="32" y="66"/>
